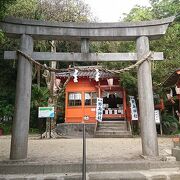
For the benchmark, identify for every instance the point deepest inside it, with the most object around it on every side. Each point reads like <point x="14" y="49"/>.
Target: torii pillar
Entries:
<point x="20" y="129"/>
<point x="146" y="101"/>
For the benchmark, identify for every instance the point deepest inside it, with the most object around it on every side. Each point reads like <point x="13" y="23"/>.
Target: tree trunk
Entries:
<point x="52" y="101"/>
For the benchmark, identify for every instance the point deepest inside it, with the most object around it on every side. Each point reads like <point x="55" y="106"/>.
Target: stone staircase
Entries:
<point x="112" y="129"/>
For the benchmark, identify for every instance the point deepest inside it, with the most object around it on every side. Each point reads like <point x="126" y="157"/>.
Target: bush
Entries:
<point x="6" y="127"/>
<point x="39" y="98"/>
<point x="169" y="124"/>
<point x="34" y="131"/>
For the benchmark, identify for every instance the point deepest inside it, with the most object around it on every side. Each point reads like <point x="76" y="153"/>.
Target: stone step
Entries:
<point x="112" y="122"/>
<point x="112" y="125"/>
<point x="113" y="134"/>
<point x="17" y="168"/>
<point x="153" y="174"/>
<point x="112" y="128"/>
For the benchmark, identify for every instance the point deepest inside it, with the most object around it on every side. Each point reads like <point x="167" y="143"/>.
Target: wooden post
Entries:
<point x="19" y="139"/>
<point x="124" y="103"/>
<point x="146" y="103"/>
<point x="99" y="89"/>
<point x="161" y="131"/>
<point x="84" y="49"/>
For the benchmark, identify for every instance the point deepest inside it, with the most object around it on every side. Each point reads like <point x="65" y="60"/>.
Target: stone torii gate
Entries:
<point x="28" y="30"/>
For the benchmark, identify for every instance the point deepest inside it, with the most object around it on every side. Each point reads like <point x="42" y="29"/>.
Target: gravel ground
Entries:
<point x="70" y="150"/>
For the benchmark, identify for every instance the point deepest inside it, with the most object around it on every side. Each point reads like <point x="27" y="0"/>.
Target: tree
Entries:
<point x="139" y="13"/>
<point x="51" y="10"/>
<point x="57" y="10"/>
<point x="169" y="44"/>
<point x="3" y="6"/>
<point x="24" y="9"/>
<point x="65" y="11"/>
<point x="165" y="8"/>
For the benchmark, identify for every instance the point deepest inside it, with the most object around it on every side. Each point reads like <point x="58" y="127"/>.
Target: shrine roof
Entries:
<point x="89" y="71"/>
<point x="172" y="79"/>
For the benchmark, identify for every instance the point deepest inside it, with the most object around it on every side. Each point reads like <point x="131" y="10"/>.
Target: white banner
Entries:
<point x="99" y="109"/>
<point x="157" y="116"/>
<point x="134" y="113"/>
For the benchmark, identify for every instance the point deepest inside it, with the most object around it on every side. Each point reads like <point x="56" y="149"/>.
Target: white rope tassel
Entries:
<point x="75" y="74"/>
<point x="97" y="75"/>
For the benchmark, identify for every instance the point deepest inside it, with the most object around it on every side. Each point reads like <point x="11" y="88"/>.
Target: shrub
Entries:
<point x="169" y="123"/>
<point x="6" y="127"/>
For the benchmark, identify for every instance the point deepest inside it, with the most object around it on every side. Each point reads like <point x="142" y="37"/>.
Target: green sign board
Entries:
<point x="46" y="112"/>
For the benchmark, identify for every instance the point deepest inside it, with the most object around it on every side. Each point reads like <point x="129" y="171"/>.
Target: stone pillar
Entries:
<point x="146" y="102"/>
<point x="84" y="45"/>
<point x="19" y="139"/>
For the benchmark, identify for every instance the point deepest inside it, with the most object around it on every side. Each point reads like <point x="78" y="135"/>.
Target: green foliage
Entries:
<point x="6" y="127"/>
<point x="7" y="88"/>
<point x="39" y="98"/>
<point x="6" y="109"/>
<point x="139" y="13"/>
<point x="169" y="123"/>
<point x="165" y="8"/>
<point x="128" y="79"/>
<point x="65" y="11"/>
<point x="1" y="36"/>
<point x="52" y="10"/>
<point x="4" y="5"/>
<point x="33" y="131"/>
<point x="176" y="132"/>
<point x="169" y="44"/>
<point x="23" y="9"/>
<point x="129" y="82"/>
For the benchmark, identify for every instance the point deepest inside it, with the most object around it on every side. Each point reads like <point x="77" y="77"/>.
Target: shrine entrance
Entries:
<point x="27" y="30"/>
<point x="114" y="105"/>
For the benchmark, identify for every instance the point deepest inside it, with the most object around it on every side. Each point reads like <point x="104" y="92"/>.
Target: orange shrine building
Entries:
<point x="81" y="92"/>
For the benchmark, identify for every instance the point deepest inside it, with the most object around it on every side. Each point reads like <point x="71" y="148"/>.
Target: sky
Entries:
<point x="111" y="10"/>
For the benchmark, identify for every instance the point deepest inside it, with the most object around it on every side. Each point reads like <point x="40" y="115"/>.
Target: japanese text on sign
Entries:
<point x="157" y="116"/>
<point x="46" y="112"/>
<point x="99" y="109"/>
<point x="134" y="113"/>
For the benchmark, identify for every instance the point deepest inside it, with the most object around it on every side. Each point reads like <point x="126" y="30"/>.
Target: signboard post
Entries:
<point x="85" y="118"/>
<point x="84" y="152"/>
<point x="46" y="112"/>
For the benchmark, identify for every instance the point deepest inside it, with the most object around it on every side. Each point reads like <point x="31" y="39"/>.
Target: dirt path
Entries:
<point x="70" y="150"/>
